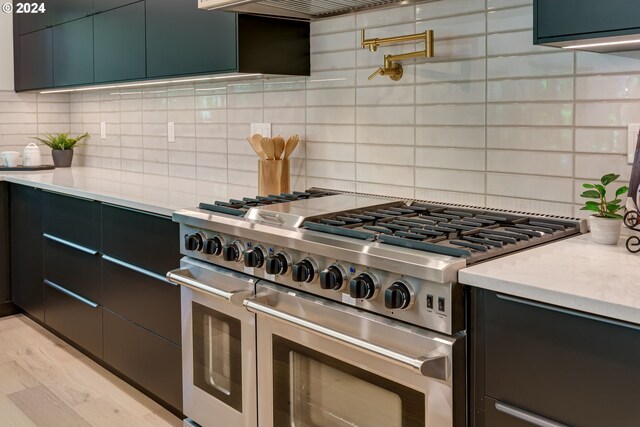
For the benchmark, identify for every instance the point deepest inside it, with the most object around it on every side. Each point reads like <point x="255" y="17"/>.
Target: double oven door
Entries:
<point x="322" y="364"/>
<point x="218" y="345"/>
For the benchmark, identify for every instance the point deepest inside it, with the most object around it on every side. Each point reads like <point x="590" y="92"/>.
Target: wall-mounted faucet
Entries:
<point x="391" y="68"/>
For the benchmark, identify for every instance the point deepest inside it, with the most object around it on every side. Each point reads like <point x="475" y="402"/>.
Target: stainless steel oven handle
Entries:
<point x="528" y="417"/>
<point x="434" y="366"/>
<point x="178" y="277"/>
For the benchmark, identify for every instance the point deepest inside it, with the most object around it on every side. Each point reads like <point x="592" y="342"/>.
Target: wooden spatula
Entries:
<point x="268" y="148"/>
<point x="291" y="145"/>
<point x="255" y="142"/>
<point x="278" y="144"/>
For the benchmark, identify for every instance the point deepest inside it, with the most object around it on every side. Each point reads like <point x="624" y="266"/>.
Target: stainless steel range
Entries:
<point x="357" y="318"/>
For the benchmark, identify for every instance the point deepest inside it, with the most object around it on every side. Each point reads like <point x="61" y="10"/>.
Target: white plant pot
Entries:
<point x="605" y="231"/>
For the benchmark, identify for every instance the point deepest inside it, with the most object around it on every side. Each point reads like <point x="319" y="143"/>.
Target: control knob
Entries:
<point x="362" y="287"/>
<point x="254" y="258"/>
<point x="304" y="271"/>
<point x="232" y="252"/>
<point x="193" y="242"/>
<point x="331" y="278"/>
<point x="397" y="296"/>
<point x="277" y="264"/>
<point x="213" y="246"/>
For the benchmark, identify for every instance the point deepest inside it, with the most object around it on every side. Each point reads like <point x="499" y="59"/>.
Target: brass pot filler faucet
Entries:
<point x="391" y="68"/>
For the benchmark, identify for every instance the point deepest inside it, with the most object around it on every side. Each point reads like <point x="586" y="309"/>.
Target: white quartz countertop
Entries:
<point x="156" y="194"/>
<point x="574" y="273"/>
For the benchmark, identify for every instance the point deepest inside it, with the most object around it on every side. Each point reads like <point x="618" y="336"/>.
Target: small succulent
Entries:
<point x="61" y="141"/>
<point x="602" y="207"/>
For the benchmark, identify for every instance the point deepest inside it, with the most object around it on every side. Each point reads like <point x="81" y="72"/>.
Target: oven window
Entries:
<point x="216" y="355"/>
<point x="312" y="389"/>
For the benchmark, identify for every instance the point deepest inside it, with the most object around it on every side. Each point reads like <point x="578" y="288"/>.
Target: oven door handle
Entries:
<point x="434" y="366"/>
<point x="180" y="277"/>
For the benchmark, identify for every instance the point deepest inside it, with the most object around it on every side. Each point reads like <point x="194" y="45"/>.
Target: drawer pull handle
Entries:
<point x="138" y="269"/>
<point x="71" y="294"/>
<point x="588" y="316"/>
<point x="69" y="244"/>
<point x="528" y="417"/>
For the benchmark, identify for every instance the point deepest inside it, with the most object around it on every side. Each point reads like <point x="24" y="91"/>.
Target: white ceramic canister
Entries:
<point x="31" y="155"/>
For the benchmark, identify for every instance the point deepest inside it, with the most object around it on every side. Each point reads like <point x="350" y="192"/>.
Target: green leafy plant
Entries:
<point x="602" y="207"/>
<point x="61" y="141"/>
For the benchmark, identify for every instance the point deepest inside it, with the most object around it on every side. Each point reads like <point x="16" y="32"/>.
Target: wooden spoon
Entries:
<point x="268" y="148"/>
<point x="255" y="142"/>
<point x="291" y="145"/>
<point x="278" y="143"/>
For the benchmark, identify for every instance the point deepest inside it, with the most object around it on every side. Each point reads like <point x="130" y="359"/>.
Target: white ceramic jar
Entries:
<point x="31" y="155"/>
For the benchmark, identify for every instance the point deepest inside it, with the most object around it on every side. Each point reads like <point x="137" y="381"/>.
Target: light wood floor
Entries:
<point x="44" y="382"/>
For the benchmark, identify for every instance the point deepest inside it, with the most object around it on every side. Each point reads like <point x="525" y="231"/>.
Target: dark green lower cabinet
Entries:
<point x="78" y="320"/>
<point x="5" y="294"/>
<point x="26" y="249"/>
<point x="119" y="44"/>
<point x="148" y="359"/>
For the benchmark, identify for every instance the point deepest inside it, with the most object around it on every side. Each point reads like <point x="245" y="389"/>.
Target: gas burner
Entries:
<point x="240" y="207"/>
<point x="474" y="234"/>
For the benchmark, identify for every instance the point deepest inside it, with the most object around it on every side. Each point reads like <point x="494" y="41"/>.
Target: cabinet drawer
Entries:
<point x="149" y="360"/>
<point x="563" y="365"/>
<point x="72" y="219"/>
<point x="152" y="303"/>
<point x="145" y="240"/>
<point x="498" y="414"/>
<point x="77" y="269"/>
<point x="77" y="319"/>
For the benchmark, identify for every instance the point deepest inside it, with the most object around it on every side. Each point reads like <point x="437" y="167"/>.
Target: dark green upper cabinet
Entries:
<point x="119" y="44"/>
<point x="56" y="12"/>
<point x="35" y="64"/>
<point x="182" y="39"/>
<point x="73" y="53"/>
<point x="579" y="22"/>
<point x="103" y="5"/>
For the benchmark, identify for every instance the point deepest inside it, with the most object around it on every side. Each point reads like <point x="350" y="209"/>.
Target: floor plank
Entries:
<point x="44" y="382"/>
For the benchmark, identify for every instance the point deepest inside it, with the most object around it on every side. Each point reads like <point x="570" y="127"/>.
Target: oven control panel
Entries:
<point x="410" y="299"/>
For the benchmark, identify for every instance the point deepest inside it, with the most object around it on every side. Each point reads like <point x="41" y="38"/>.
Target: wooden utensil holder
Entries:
<point x="273" y="177"/>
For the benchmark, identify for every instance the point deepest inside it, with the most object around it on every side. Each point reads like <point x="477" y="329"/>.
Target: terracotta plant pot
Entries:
<point x="605" y="231"/>
<point x="62" y="158"/>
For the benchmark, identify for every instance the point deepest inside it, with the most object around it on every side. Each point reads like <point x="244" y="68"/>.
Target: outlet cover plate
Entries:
<point x="171" y="131"/>
<point x="103" y="130"/>
<point x="632" y="138"/>
<point x="263" y="129"/>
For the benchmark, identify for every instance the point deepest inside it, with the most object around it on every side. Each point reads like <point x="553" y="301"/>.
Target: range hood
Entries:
<point x="297" y="9"/>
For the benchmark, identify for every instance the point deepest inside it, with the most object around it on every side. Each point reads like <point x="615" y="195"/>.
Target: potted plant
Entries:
<point x="62" y="147"/>
<point x="605" y="223"/>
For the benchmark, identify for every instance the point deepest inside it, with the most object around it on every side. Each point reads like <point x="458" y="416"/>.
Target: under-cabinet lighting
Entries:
<point x="580" y="46"/>
<point x="153" y="83"/>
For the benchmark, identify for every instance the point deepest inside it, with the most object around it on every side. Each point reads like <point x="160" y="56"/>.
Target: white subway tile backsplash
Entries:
<point x="607" y="113"/>
<point x="518" y="18"/>
<point x="530" y="162"/>
<point x="333" y="60"/>
<point x="593" y="166"/>
<point x="451" y="136"/>
<point x="380" y="18"/>
<point x="453" y="26"/>
<point x="518" y="90"/>
<point x="530" y="187"/>
<point x="514" y="43"/>
<point x="395" y="135"/>
<point x="450" y="158"/>
<point x="539" y="114"/>
<point x="431" y="10"/>
<point x="450" y="71"/>
<point x="530" y="138"/>
<point x="331" y="133"/>
<point x="331" y="169"/>
<point x="331" y="115"/>
<point x="385" y="95"/>
<point x="596" y="63"/>
<point x="387" y="154"/>
<point x="330" y="151"/>
<point x="547" y="64"/>
<point x="531" y="206"/>
<point x="608" y="87"/>
<point x="451" y="115"/>
<point x="333" y="42"/>
<point x="321" y="97"/>
<point x="450" y="93"/>
<point x="451" y="180"/>
<point x="399" y="115"/>
<point x="335" y="25"/>
<point x="385" y="174"/>
<point x="611" y="141"/>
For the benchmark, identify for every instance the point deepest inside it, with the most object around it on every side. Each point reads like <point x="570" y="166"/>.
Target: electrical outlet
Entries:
<point x="171" y="131"/>
<point x="263" y="129"/>
<point x="103" y="130"/>
<point x="632" y="138"/>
